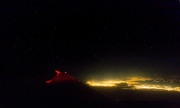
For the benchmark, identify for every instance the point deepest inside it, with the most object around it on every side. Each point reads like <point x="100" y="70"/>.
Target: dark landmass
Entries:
<point x="35" y="95"/>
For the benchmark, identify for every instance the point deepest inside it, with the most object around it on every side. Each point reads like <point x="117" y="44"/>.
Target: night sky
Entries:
<point x="90" y="38"/>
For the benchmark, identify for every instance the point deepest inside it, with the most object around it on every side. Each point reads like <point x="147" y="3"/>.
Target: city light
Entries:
<point x="136" y="83"/>
<point x="158" y="87"/>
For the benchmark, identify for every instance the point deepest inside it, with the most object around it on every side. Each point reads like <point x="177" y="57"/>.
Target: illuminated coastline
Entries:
<point x="136" y="83"/>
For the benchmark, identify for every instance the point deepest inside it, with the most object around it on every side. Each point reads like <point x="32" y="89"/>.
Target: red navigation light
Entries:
<point x="57" y="72"/>
<point x="48" y="81"/>
<point x="56" y="75"/>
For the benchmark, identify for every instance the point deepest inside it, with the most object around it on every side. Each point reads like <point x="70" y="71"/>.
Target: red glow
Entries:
<point x="61" y="78"/>
<point x="48" y="81"/>
<point x="57" y="72"/>
<point x="56" y="75"/>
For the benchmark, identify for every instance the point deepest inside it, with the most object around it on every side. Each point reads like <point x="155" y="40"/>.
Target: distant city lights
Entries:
<point x="136" y="83"/>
